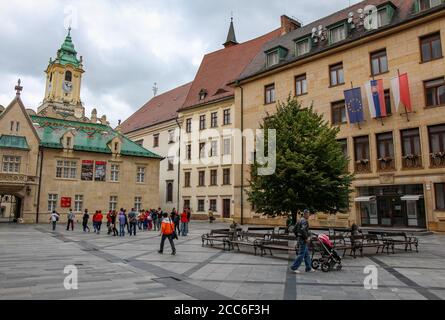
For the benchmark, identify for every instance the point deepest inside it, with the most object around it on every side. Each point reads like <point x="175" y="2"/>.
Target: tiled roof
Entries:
<point x="221" y="67"/>
<point x="87" y="137"/>
<point x="160" y="109"/>
<point x="404" y="11"/>
<point x="13" y="142"/>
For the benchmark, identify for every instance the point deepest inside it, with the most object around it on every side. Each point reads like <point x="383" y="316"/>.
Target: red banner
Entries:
<point x="65" y="202"/>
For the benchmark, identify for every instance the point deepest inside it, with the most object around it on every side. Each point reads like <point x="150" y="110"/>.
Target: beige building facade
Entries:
<point x="397" y="160"/>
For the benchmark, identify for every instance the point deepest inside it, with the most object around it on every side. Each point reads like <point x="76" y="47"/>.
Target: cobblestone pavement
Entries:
<point x="33" y="258"/>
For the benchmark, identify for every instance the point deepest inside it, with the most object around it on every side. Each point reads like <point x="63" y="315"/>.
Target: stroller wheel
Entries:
<point x="315" y="264"/>
<point x="339" y="267"/>
<point x="325" y="267"/>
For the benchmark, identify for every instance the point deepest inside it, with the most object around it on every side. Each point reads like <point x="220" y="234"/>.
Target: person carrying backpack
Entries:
<point x="71" y="217"/>
<point x="167" y="232"/>
<point x="304" y="237"/>
<point x="132" y="218"/>
<point x="85" y="219"/>
<point x="54" y="217"/>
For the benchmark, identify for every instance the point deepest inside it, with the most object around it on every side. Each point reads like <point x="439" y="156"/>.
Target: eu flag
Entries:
<point x="354" y="104"/>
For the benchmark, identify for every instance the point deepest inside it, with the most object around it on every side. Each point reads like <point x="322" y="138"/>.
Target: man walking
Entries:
<point x="132" y="217"/>
<point x="303" y="236"/>
<point x="71" y="218"/>
<point x="85" y="219"/>
<point x="122" y="221"/>
<point x="54" y="218"/>
<point x="167" y="230"/>
<point x="184" y="223"/>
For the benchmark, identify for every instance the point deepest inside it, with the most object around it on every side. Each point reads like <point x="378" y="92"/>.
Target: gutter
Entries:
<point x="179" y="163"/>
<point x="40" y="185"/>
<point x="242" y="153"/>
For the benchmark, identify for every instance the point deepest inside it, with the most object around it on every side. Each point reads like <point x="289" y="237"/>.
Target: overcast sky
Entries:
<point x="129" y="45"/>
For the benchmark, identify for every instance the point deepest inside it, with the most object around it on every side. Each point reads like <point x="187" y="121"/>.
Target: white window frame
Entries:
<point x="140" y="175"/>
<point x="112" y="204"/>
<point x="66" y="169"/>
<point x="138" y="203"/>
<point x="342" y="33"/>
<point x="114" y="172"/>
<point x="227" y="146"/>
<point x="11" y="164"/>
<point x="300" y="49"/>
<point x="273" y="58"/>
<point x="78" y="203"/>
<point x="52" y="202"/>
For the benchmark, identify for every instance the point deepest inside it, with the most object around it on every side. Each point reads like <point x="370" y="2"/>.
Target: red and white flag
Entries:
<point x="401" y="93"/>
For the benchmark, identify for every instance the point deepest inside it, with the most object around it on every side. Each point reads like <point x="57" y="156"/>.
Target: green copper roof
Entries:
<point x="87" y="137"/>
<point x="13" y="142"/>
<point x="67" y="54"/>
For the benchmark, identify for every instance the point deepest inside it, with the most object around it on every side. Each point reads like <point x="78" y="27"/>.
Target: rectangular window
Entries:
<point x="411" y="150"/>
<point x="188" y="152"/>
<point x="431" y="47"/>
<point x="140" y="142"/>
<point x="202" y="122"/>
<point x="187" y="176"/>
<point x="302" y="47"/>
<point x="171" y="136"/>
<point x="338" y="113"/>
<point x="140" y="175"/>
<point x="156" y="140"/>
<point x="437" y="145"/>
<point x="300" y="85"/>
<point x="336" y="74"/>
<point x="227" y="119"/>
<point x="226" y="177"/>
<point x="202" y="150"/>
<point x="337" y="34"/>
<point x="269" y="94"/>
<point x="114" y="176"/>
<point x="52" y="202"/>
<point x="439" y="189"/>
<point x="186" y="204"/>
<point x="213" y="177"/>
<point x="11" y="164"/>
<point x="188" y="125"/>
<point x="213" y="148"/>
<point x="361" y="148"/>
<point x="201" y="178"/>
<point x="170" y="163"/>
<point x="214" y="120"/>
<point x="66" y="169"/>
<point x="78" y="203"/>
<point x="273" y="58"/>
<point x="169" y="191"/>
<point x="227" y="149"/>
<point x="385" y="151"/>
<point x="379" y="62"/>
<point x="344" y="146"/>
<point x="382" y="17"/>
<point x="201" y="205"/>
<point x="112" y="205"/>
<point x="138" y="203"/>
<point x="428" y="4"/>
<point x="435" y="92"/>
<point x="213" y="205"/>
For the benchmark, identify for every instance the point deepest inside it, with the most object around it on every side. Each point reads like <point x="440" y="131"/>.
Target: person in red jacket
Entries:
<point x="97" y="219"/>
<point x="184" y="223"/>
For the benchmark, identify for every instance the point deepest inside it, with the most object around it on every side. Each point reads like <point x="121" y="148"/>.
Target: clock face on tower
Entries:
<point x="67" y="86"/>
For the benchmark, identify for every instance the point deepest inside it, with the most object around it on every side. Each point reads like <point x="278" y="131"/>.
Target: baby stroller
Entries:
<point x="330" y="259"/>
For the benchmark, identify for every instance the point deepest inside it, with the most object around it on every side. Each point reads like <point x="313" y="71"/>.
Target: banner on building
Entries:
<point x="401" y="93"/>
<point x="65" y="202"/>
<point x="354" y="105"/>
<point x="87" y="170"/>
<point x="101" y="169"/>
<point x="376" y="98"/>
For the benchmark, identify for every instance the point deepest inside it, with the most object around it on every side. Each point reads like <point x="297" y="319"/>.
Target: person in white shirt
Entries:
<point x="54" y="218"/>
<point x="71" y="218"/>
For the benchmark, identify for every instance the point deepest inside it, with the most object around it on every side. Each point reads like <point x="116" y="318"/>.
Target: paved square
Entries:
<point x="32" y="260"/>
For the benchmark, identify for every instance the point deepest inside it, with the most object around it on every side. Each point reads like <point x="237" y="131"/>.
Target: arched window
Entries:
<point x="169" y="191"/>
<point x="68" y="76"/>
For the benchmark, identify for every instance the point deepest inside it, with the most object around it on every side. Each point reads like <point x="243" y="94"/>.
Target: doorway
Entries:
<point x="10" y="208"/>
<point x="226" y="208"/>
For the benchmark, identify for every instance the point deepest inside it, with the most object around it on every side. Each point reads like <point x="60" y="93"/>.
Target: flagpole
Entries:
<point x="406" y="110"/>
<point x="358" y="123"/>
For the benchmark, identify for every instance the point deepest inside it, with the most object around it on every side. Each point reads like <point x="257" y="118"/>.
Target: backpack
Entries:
<point x="297" y="229"/>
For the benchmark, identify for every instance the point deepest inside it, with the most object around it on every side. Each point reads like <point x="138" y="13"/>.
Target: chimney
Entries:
<point x="288" y="24"/>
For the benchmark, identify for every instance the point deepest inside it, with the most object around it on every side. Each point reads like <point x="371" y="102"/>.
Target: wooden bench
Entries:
<point x="219" y="236"/>
<point x="254" y="243"/>
<point x="359" y="242"/>
<point x="400" y="239"/>
<point x="278" y="242"/>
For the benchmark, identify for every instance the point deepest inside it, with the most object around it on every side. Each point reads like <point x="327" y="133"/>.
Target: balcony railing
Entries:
<point x="363" y="166"/>
<point x="386" y="164"/>
<point x="412" y="161"/>
<point x="437" y="159"/>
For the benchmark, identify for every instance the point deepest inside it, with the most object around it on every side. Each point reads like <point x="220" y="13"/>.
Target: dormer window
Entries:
<point x="276" y="55"/>
<point x="68" y="142"/>
<point x="202" y="94"/>
<point x="302" y="47"/>
<point x="337" y="33"/>
<point x="68" y="76"/>
<point x="422" y="5"/>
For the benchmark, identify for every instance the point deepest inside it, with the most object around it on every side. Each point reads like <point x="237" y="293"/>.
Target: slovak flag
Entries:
<point x="400" y="92"/>
<point x="376" y="98"/>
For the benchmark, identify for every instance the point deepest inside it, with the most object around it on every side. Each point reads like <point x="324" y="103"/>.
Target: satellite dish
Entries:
<point x="350" y="20"/>
<point x="360" y="11"/>
<point x="320" y="27"/>
<point x="351" y="14"/>
<point x="314" y="30"/>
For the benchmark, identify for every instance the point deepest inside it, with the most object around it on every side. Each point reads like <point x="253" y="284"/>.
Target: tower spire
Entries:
<point x="231" y="38"/>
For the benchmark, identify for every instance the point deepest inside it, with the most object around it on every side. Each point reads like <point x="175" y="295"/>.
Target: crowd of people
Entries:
<point x="170" y="225"/>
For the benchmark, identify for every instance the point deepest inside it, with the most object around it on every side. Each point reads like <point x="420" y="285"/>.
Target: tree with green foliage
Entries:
<point x="311" y="168"/>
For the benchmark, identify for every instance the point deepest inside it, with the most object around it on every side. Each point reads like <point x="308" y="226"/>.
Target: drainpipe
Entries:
<point x="179" y="164"/>
<point x="242" y="153"/>
<point x="40" y="185"/>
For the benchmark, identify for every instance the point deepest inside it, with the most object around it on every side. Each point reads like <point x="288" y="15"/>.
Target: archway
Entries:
<point x="10" y="208"/>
